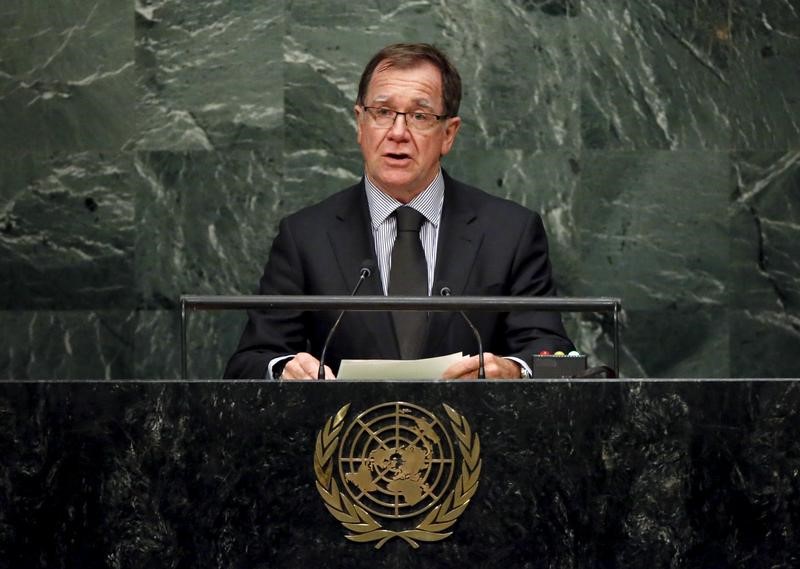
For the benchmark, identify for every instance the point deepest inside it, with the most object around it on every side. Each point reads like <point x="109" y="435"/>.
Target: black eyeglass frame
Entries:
<point x="438" y="118"/>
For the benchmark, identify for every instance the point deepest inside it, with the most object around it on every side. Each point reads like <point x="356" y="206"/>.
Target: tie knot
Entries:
<point x="408" y="219"/>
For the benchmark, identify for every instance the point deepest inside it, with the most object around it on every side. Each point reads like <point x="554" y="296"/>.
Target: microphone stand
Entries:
<point x="365" y="272"/>
<point x="445" y="291"/>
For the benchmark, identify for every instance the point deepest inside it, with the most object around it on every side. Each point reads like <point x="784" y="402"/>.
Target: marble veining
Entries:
<point x="150" y="147"/>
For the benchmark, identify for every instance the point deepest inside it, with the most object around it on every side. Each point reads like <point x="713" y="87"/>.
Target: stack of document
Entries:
<point x="428" y="368"/>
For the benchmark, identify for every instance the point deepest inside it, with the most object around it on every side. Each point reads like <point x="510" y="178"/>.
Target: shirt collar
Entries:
<point x="428" y="202"/>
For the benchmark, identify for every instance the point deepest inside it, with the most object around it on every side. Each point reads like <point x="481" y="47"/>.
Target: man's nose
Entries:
<point x="399" y="127"/>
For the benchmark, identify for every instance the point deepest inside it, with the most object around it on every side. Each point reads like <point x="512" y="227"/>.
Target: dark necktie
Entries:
<point x="409" y="277"/>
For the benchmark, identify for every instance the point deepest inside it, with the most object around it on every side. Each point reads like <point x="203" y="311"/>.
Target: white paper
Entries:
<point x="429" y="368"/>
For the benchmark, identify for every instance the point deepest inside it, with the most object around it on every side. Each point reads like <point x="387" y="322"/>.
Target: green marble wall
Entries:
<point x="148" y="148"/>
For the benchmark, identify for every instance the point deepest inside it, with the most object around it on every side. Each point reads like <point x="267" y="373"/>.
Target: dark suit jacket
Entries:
<point x="487" y="246"/>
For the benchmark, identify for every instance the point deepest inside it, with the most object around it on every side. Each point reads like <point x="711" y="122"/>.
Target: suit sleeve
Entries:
<point x="272" y="333"/>
<point x="529" y="332"/>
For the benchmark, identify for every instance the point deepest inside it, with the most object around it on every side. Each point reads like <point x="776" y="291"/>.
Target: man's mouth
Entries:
<point x="397" y="156"/>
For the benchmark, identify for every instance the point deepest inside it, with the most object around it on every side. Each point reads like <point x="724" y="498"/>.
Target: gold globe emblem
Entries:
<point x="397" y="460"/>
<point x="394" y="462"/>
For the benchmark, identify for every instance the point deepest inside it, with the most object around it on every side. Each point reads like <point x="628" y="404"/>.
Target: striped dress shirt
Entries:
<point x="384" y="224"/>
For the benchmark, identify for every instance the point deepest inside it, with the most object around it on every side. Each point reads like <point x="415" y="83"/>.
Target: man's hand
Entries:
<point x="495" y="366"/>
<point x="304" y="366"/>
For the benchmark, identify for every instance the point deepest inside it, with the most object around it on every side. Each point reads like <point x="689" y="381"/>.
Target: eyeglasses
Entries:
<point x="385" y="118"/>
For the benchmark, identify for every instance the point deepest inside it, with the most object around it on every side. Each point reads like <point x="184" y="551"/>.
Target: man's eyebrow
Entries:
<point x="424" y="103"/>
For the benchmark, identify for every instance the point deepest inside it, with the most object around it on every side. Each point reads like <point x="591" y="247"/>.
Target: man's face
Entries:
<point x="400" y="161"/>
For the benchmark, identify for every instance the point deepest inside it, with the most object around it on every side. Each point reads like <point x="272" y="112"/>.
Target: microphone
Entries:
<point x="367" y="266"/>
<point x="445" y="291"/>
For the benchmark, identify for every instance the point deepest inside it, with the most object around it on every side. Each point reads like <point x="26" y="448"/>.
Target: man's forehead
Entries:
<point x="423" y="82"/>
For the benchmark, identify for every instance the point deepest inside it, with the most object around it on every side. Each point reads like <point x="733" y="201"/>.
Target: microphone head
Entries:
<point x="367" y="266"/>
<point x="445" y="290"/>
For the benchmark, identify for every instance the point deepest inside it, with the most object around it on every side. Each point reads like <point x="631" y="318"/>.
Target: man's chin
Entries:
<point x="395" y="185"/>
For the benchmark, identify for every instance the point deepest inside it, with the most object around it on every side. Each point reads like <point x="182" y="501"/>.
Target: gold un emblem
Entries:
<point x="390" y="472"/>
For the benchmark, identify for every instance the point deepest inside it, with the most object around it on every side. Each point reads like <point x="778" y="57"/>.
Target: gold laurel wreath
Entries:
<point x="363" y="526"/>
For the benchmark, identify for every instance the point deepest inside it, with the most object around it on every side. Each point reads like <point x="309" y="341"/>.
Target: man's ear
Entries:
<point x="450" y="132"/>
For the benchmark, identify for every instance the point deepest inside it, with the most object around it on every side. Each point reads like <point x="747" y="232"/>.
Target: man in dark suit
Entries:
<point x="420" y="228"/>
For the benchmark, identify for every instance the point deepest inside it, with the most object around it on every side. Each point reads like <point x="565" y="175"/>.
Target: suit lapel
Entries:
<point x="352" y="242"/>
<point x="459" y="242"/>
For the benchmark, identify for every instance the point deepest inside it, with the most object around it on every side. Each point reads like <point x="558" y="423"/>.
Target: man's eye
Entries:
<point x="421" y="117"/>
<point x="384" y="112"/>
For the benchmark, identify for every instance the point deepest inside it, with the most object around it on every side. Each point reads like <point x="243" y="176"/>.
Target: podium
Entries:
<point x="213" y="474"/>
